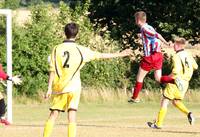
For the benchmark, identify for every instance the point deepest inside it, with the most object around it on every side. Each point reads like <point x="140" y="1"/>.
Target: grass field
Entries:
<point x="103" y="120"/>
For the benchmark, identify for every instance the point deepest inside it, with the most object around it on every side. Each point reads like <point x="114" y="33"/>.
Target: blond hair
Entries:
<point x="180" y="40"/>
<point x="141" y="15"/>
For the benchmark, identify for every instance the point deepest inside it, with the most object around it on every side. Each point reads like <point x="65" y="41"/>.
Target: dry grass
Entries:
<point x="103" y="120"/>
<point x="120" y="95"/>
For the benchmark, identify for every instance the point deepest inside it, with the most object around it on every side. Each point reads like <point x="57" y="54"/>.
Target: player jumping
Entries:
<point x="64" y="80"/>
<point x="183" y="67"/>
<point x="153" y="58"/>
<point x="16" y="80"/>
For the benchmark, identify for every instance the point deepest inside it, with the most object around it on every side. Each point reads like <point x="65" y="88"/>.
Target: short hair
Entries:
<point x="141" y="15"/>
<point x="180" y="40"/>
<point x="71" y="30"/>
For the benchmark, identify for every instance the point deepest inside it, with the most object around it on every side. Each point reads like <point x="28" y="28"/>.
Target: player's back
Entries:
<point x="67" y="61"/>
<point x="187" y="64"/>
<point x="151" y="43"/>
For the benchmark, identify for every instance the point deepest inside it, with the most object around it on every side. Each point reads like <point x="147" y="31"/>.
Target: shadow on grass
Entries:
<point x="179" y="132"/>
<point x="111" y="126"/>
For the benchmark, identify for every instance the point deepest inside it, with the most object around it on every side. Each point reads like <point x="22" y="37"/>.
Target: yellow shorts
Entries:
<point x="172" y="92"/>
<point x="66" y="101"/>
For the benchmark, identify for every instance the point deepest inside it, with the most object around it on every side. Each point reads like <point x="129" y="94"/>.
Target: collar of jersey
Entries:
<point x="66" y="41"/>
<point x="179" y="50"/>
<point x="144" y="25"/>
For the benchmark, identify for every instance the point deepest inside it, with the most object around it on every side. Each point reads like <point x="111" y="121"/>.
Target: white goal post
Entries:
<point x="8" y="14"/>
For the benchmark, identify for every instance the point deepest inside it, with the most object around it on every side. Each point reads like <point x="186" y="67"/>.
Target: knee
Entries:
<point x="157" y="78"/>
<point x="1" y="95"/>
<point x="72" y="116"/>
<point x="140" y="79"/>
<point x="174" y="102"/>
<point x="54" y="115"/>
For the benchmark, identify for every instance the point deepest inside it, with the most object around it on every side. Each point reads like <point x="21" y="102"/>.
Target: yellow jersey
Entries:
<point x="66" y="61"/>
<point x="183" y="65"/>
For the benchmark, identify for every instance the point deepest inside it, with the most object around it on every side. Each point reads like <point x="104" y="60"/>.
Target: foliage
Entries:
<point x="33" y="42"/>
<point x="170" y="17"/>
<point x="12" y="4"/>
<point x="32" y="45"/>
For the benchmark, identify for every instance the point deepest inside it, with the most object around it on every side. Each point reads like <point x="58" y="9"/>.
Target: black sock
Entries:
<point x="2" y="107"/>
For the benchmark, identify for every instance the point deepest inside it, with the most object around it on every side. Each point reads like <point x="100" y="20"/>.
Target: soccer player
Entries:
<point x="16" y="80"/>
<point x="183" y="67"/>
<point x="153" y="58"/>
<point x="64" y="80"/>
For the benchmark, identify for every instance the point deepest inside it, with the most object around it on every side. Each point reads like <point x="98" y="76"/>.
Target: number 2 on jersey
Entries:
<point x="67" y="55"/>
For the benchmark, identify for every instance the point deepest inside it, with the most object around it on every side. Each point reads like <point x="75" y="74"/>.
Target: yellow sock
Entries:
<point x="48" y="128"/>
<point x="182" y="107"/>
<point x="72" y="130"/>
<point x="161" y="116"/>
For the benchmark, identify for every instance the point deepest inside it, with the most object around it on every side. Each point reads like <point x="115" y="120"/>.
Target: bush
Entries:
<point x="33" y="42"/>
<point x="32" y="45"/>
<point x="12" y="4"/>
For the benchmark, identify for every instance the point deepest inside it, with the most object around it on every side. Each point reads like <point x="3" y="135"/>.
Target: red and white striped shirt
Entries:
<point x="151" y="43"/>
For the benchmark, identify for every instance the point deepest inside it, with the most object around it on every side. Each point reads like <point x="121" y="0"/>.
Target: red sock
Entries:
<point x="137" y="89"/>
<point x="166" y="79"/>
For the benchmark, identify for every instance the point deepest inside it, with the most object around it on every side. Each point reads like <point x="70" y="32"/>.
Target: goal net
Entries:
<point x="8" y="14"/>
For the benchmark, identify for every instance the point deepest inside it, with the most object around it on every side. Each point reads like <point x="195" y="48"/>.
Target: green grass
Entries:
<point x="118" y="119"/>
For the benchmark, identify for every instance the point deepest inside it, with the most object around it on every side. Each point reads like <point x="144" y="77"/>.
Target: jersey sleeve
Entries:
<point x="194" y="63"/>
<point x="88" y="54"/>
<point x="149" y="32"/>
<point x="177" y="67"/>
<point x="52" y="61"/>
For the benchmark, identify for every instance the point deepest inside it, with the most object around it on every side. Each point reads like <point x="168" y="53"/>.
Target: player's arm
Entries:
<point x="124" y="53"/>
<point x="194" y="64"/>
<point x="51" y="74"/>
<point x="152" y="33"/>
<point x="3" y="75"/>
<point x="15" y="79"/>
<point x="177" y="66"/>
<point x="50" y="83"/>
<point x="159" y="36"/>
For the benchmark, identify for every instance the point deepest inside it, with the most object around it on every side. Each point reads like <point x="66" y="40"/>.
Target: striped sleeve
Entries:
<point x="149" y="32"/>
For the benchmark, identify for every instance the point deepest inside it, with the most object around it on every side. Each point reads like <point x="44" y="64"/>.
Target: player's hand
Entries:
<point x="48" y="94"/>
<point x="170" y="43"/>
<point x="127" y="52"/>
<point x="17" y="80"/>
<point x="139" y="35"/>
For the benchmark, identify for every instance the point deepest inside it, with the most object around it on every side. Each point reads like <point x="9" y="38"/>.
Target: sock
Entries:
<point x="2" y="107"/>
<point x="182" y="107"/>
<point x="161" y="116"/>
<point x="137" y="89"/>
<point x="166" y="79"/>
<point x="48" y="128"/>
<point x="72" y="130"/>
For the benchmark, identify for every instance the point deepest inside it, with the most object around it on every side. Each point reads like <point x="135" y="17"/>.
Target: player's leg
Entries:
<point x="179" y="104"/>
<point x="73" y="102"/>
<point x="162" y="112"/>
<point x="161" y="115"/>
<point x="139" y="83"/>
<point x="162" y="79"/>
<point x="58" y="104"/>
<point x="72" y="123"/>
<point x="168" y="79"/>
<point x="2" y="106"/>
<point x="50" y="122"/>
<point x="3" y="120"/>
